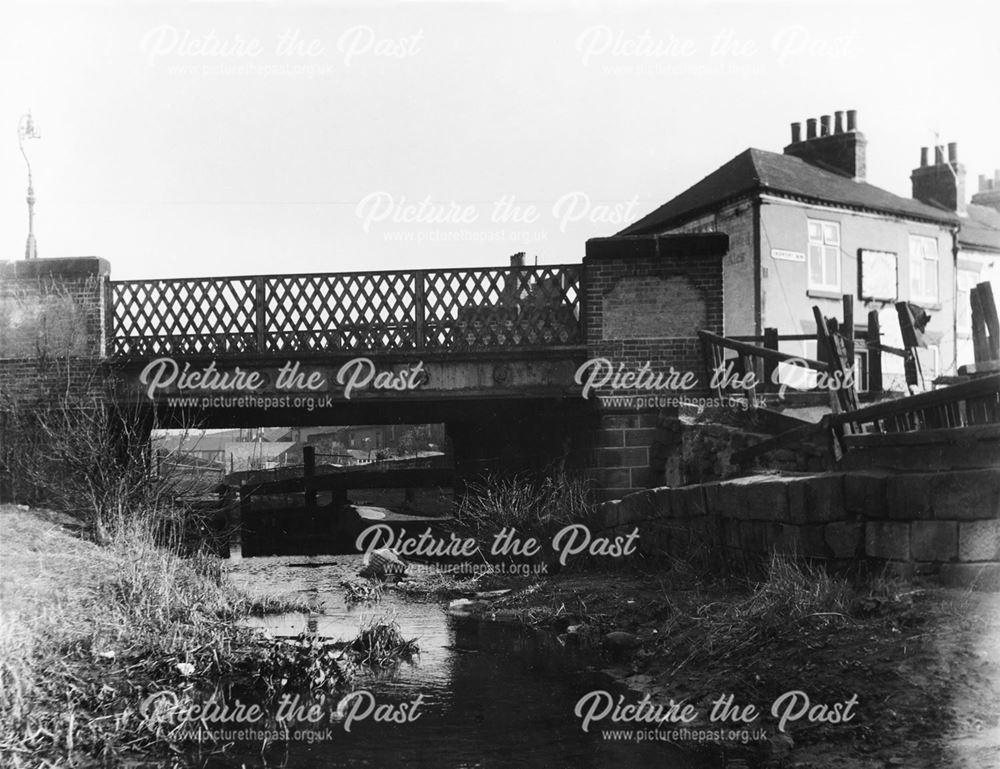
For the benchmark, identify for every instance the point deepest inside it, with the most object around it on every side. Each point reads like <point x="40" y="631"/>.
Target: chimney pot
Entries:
<point x="845" y="155"/>
<point x="952" y="152"/>
<point x="838" y="122"/>
<point x="939" y="155"/>
<point x="852" y="120"/>
<point x="923" y="156"/>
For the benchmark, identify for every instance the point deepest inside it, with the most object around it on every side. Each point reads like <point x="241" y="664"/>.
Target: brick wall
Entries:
<point x="945" y="524"/>
<point x="645" y="297"/>
<point x="644" y="300"/>
<point x="52" y="338"/>
<point x="52" y="326"/>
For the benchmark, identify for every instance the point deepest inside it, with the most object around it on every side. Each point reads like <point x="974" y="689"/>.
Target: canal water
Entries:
<point x="493" y="694"/>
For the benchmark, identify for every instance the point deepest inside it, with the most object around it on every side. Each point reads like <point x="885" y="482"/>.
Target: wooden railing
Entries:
<point x="369" y="312"/>
<point x="836" y="347"/>
<point x="968" y="404"/>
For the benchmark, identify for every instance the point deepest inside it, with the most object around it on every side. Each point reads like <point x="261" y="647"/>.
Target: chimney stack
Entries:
<point x="941" y="184"/>
<point x="517" y="260"/>
<point x="834" y="148"/>
<point x="989" y="191"/>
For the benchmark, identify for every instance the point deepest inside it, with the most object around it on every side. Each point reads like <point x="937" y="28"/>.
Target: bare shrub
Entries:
<point x="527" y="505"/>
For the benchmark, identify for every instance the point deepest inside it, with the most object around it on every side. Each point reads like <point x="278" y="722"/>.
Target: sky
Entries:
<point x="232" y="138"/>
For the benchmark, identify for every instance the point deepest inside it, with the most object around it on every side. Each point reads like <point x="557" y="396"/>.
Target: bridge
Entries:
<point x="491" y="352"/>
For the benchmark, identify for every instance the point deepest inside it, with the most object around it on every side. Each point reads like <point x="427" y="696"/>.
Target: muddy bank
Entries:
<point x="884" y="673"/>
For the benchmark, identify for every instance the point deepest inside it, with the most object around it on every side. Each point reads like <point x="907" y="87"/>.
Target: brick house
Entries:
<point x="805" y="228"/>
<point x="977" y="252"/>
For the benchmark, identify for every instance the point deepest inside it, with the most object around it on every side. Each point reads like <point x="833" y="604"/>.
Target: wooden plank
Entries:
<point x="984" y="367"/>
<point x="946" y="435"/>
<point x="781" y="337"/>
<point x="761" y="352"/>
<point x="985" y="387"/>
<point x="234" y="519"/>
<point x="356" y="479"/>
<point x="746" y="367"/>
<point x="848" y="327"/>
<point x="308" y="472"/>
<point x="874" y="353"/>
<point x="980" y="340"/>
<point x="708" y="361"/>
<point x="989" y="306"/>
<point x="787" y="439"/>
<point x="770" y="365"/>
<point x="833" y="344"/>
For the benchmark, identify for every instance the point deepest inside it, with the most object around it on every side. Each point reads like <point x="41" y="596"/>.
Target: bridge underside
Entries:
<point x="506" y="414"/>
<point x="530" y="434"/>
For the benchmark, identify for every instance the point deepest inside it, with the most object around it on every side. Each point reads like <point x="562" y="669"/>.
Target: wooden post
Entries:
<point x="848" y="328"/>
<point x="309" y="471"/>
<point x="828" y="339"/>
<point x="874" y="340"/>
<point x="746" y="367"/>
<point x="980" y="342"/>
<point x="709" y="359"/>
<point x="770" y="366"/>
<point x="989" y="307"/>
<point x="234" y="519"/>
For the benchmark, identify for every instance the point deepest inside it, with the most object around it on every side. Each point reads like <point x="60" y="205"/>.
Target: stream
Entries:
<point x="492" y="694"/>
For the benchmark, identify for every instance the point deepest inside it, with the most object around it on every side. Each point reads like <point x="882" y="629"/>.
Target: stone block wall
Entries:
<point x="945" y="524"/>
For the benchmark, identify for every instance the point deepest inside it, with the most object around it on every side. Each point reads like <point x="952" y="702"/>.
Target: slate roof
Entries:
<point x="755" y="170"/>
<point x="980" y="228"/>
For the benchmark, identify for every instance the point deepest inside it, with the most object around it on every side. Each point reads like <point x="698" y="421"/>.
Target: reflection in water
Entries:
<point x="493" y="695"/>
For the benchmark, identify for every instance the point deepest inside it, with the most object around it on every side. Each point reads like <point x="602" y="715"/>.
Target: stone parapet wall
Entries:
<point x="945" y="524"/>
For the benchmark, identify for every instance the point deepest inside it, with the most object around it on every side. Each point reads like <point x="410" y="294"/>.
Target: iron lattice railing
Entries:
<point x="370" y="312"/>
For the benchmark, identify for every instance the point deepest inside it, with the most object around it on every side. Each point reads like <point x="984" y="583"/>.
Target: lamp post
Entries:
<point x="26" y="130"/>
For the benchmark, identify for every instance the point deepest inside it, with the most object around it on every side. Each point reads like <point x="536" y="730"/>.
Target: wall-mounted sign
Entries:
<point x="788" y="256"/>
<point x="877" y="278"/>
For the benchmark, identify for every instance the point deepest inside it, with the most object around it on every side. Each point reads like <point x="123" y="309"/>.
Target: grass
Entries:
<point x="87" y="631"/>
<point x="532" y="507"/>
<point x="362" y="590"/>
<point x="380" y="644"/>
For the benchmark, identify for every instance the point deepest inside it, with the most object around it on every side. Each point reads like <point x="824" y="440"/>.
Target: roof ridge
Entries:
<point x="784" y="174"/>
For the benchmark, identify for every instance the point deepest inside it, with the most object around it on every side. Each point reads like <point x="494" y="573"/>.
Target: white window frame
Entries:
<point x="824" y="243"/>
<point x="924" y="257"/>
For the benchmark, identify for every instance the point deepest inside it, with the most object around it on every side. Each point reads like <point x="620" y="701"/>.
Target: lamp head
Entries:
<point x="26" y="128"/>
